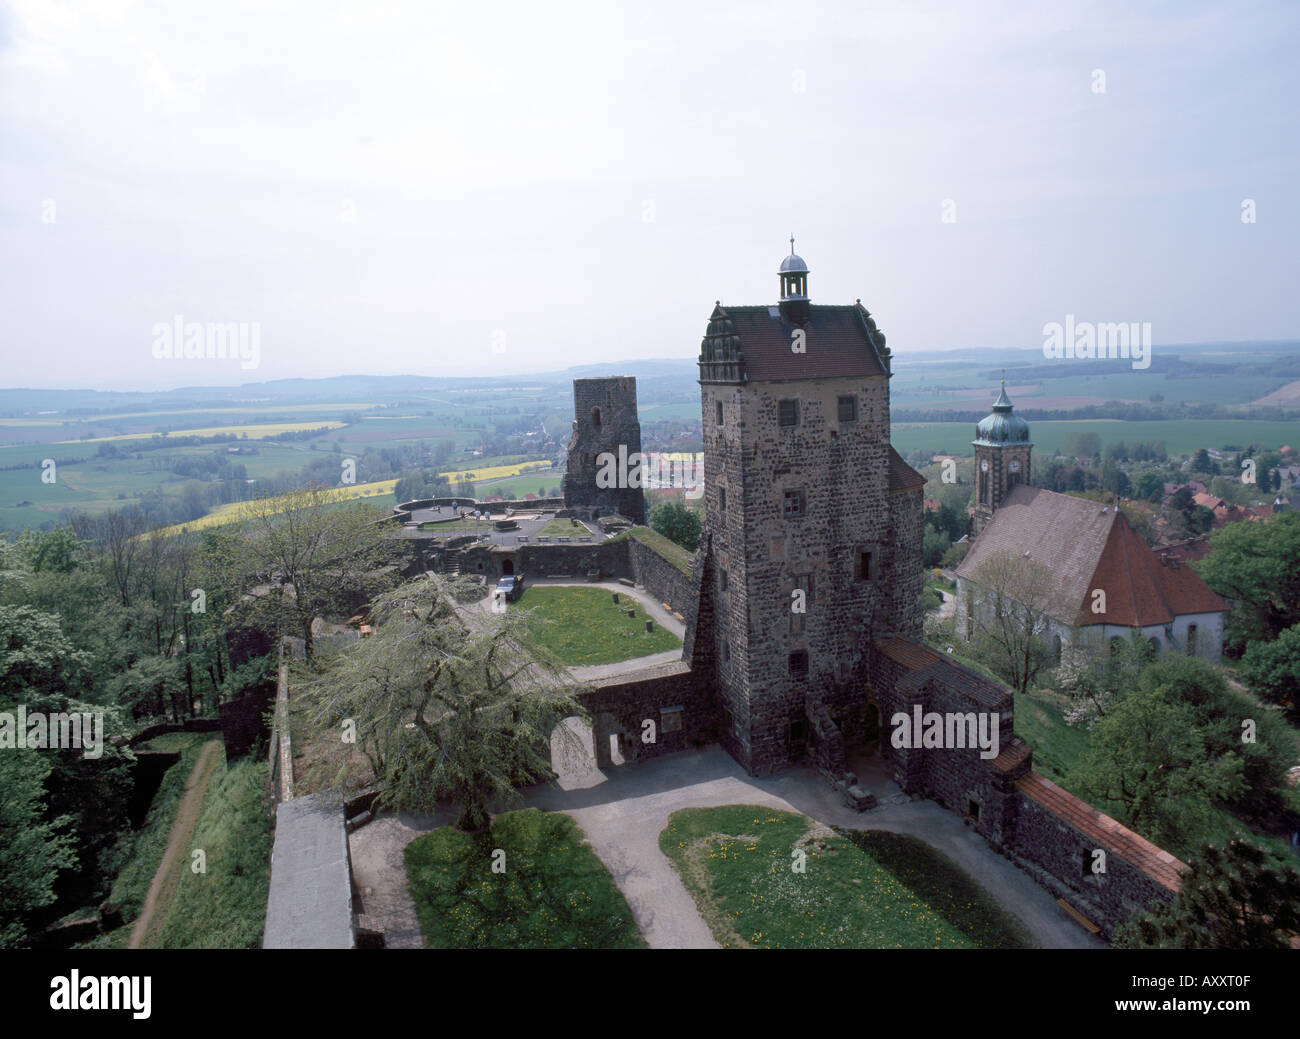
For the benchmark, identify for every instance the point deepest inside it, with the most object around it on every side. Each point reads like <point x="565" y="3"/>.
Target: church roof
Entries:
<point x="1090" y="546"/>
<point x="837" y="342"/>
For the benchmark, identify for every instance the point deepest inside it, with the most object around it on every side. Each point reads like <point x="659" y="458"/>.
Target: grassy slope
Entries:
<point x="586" y="627"/>
<point x="225" y="908"/>
<point x="554" y="894"/>
<point x="669" y="550"/>
<point x="884" y="892"/>
<point x="132" y="883"/>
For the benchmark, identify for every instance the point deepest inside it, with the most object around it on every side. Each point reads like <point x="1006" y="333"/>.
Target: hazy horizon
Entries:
<point x="450" y="192"/>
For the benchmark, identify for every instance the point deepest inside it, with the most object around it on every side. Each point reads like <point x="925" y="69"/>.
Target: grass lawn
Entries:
<point x="562" y="528"/>
<point x="585" y="626"/>
<point x="459" y="526"/>
<point x="554" y="892"/>
<point x="874" y="891"/>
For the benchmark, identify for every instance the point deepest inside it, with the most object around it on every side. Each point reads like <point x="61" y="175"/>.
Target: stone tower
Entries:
<point x="603" y="474"/>
<point x="811" y="540"/>
<point x="1002" y="450"/>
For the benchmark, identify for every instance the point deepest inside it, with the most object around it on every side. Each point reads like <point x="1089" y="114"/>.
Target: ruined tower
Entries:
<point x="603" y="474"/>
<point x="813" y="522"/>
<point x="1002" y="455"/>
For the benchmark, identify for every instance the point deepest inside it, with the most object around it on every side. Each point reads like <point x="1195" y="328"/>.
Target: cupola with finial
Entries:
<point x="794" y="287"/>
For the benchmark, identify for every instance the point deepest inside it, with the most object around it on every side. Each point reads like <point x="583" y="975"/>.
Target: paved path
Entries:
<point x="623" y="810"/>
<point x="187" y="817"/>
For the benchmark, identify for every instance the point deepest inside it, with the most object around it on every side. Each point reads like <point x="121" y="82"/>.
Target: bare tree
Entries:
<point x="1009" y="621"/>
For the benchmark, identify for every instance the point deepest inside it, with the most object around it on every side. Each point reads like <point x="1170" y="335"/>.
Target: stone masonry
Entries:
<point x="605" y="424"/>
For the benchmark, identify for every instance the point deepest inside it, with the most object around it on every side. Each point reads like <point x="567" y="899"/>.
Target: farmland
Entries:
<point x="1181" y="436"/>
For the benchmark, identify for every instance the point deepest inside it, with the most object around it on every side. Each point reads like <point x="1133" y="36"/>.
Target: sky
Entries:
<point x="471" y="189"/>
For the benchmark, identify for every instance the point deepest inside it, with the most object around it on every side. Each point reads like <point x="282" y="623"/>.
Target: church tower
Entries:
<point x="810" y="547"/>
<point x="1002" y="450"/>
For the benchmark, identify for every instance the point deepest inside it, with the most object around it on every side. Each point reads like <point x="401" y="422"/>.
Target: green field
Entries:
<point x="550" y="892"/>
<point x="1181" y="436"/>
<point x="584" y="626"/>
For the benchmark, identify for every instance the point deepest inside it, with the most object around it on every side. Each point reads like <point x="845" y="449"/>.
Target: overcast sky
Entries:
<point x="496" y="188"/>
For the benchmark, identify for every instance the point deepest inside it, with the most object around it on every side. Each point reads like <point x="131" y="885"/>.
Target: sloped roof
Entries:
<point x="836" y="339"/>
<point x="1090" y="546"/>
<point x="902" y="477"/>
<point x="923" y="663"/>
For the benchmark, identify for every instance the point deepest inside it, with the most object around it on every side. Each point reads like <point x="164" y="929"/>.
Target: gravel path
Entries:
<point x="623" y="810"/>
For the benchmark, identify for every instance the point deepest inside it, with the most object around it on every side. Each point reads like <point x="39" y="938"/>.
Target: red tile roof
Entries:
<point x="1155" y="862"/>
<point x="1140" y="589"/>
<point x="1090" y="546"/>
<point x="837" y="344"/>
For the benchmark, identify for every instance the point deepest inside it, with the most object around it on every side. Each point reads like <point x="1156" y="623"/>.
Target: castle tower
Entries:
<point x="603" y="474"/>
<point x="811" y="540"/>
<point x="1002" y="455"/>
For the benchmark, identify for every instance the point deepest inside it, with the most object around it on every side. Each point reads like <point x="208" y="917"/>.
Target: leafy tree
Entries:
<point x="677" y="523"/>
<point x="1235" y="897"/>
<point x="1202" y="462"/>
<point x="955" y="554"/>
<point x="1009" y="622"/>
<point x="934" y="543"/>
<point x="1272" y="669"/>
<point x="449" y="702"/>
<point x="1148" y="486"/>
<point x="312" y="555"/>
<point x="1258" y="565"/>
<point x="1148" y="765"/>
<point x="33" y="848"/>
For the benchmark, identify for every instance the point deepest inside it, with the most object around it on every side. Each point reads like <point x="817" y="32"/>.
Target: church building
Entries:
<point x="1105" y="581"/>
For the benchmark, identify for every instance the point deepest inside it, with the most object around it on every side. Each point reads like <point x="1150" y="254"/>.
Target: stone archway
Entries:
<point x="507" y="567"/>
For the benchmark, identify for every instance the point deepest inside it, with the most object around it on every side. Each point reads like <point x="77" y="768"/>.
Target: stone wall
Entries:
<point x="683" y="712"/>
<point x="1056" y="843"/>
<point x="659" y="576"/>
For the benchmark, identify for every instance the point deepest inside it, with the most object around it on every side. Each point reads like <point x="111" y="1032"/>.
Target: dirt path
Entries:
<point x="187" y="817"/>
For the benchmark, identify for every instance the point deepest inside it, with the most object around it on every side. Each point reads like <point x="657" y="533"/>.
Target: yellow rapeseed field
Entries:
<point x="255" y="432"/>
<point x="493" y="472"/>
<point x="238" y="510"/>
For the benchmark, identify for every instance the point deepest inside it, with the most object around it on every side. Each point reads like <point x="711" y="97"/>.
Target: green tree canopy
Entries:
<point x="1235" y="897"/>
<point x="448" y="701"/>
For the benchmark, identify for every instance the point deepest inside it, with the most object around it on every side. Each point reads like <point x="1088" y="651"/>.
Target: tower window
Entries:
<point x="799" y="664"/>
<point x="595" y="416"/>
<point x="794" y="504"/>
<point x="788" y="413"/>
<point x="717" y="410"/>
<point x="722" y="580"/>
<point x="864" y="571"/>
<point x="722" y="499"/>
<point x="847" y="408"/>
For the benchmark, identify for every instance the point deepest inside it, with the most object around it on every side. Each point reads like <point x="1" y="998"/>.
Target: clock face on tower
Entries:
<point x="1015" y="467"/>
<point x="984" y="465"/>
